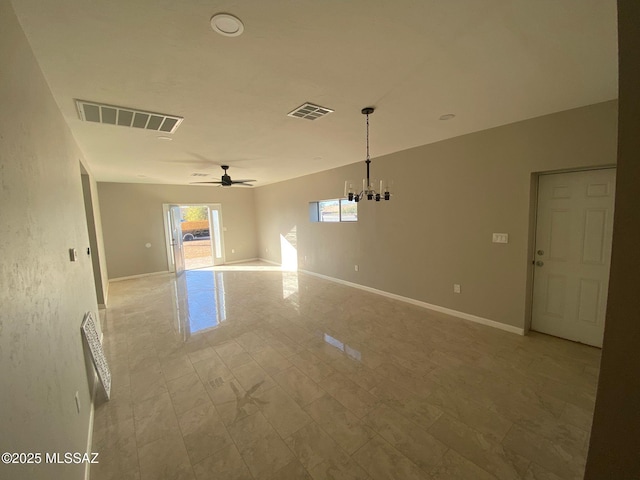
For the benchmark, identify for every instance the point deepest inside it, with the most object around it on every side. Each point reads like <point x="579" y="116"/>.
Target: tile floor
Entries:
<point x="255" y="373"/>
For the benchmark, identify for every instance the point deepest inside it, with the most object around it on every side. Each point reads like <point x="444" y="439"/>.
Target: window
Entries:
<point x="329" y="211"/>
<point x="335" y="210"/>
<point x="348" y="211"/>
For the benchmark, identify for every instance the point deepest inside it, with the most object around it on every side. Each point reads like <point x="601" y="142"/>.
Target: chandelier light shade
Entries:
<point x="368" y="185"/>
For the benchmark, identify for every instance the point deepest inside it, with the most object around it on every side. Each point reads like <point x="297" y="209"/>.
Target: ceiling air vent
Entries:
<point x="310" y="111"/>
<point x="199" y="174"/>
<point x="127" y="117"/>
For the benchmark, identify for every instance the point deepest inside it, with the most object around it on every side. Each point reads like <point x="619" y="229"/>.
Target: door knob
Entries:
<point x="539" y="263"/>
<point x="540" y="252"/>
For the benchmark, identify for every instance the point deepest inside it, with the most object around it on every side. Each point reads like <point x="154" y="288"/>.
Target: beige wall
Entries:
<point x="614" y="452"/>
<point x="449" y="197"/>
<point x="132" y="216"/>
<point x="43" y="295"/>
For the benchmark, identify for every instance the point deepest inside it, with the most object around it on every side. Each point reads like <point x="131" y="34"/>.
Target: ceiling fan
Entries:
<point x="226" y="181"/>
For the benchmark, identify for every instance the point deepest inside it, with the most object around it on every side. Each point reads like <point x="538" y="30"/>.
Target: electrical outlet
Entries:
<point x="77" y="397"/>
<point x="456" y="288"/>
<point x="356" y="268"/>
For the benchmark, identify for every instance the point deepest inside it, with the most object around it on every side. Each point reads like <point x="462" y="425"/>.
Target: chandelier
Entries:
<point x="368" y="185"/>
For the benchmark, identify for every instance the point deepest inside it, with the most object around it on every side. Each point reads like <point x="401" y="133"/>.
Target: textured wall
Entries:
<point x="449" y="199"/>
<point x="132" y="216"/>
<point x="43" y="295"/>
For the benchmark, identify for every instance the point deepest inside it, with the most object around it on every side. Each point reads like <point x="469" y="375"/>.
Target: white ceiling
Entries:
<point x="490" y="62"/>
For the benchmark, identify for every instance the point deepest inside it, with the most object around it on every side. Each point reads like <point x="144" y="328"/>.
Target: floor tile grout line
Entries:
<point x="177" y="418"/>
<point x="337" y="445"/>
<point x="497" y="444"/>
<point x="470" y="461"/>
<point x="233" y="441"/>
<point x="236" y="447"/>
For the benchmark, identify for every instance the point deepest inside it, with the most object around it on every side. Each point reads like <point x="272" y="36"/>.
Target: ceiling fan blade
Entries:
<point x="226" y="180"/>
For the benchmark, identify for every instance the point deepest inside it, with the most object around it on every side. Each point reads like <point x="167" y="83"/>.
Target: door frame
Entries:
<point x="167" y="230"/>
<point x="92" y="231"/>
<point x="533" y="225"/>
<point x="166" y="211"/>
<point x="218" y="207"/>
<point x="167" y="236"/>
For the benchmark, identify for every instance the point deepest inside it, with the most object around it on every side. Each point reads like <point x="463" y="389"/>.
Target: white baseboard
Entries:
<point x="419" y="303"/>
<point x="242" y="261"/>
<point x="106" y="297"/>
<point x="120" y="279"/>
<point x="272" y="263"/>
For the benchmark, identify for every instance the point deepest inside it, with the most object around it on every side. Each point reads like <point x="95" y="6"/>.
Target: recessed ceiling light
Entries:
<point x="447" y="116"/>
<point x="168" y="139"/>
<point x="227" y="25"/>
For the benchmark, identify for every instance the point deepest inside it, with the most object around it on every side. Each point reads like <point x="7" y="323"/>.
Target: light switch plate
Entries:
<point x="73" y="255"/>
<point x="500" y="238"/>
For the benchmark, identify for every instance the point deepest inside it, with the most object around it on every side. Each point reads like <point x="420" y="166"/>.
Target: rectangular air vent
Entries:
<point x="199" y="174"/>
<point x="310" y="111"/>
<point x="127" y="117"/>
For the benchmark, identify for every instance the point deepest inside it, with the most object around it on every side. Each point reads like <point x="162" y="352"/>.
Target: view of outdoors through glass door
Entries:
<point x="196" y="236"/>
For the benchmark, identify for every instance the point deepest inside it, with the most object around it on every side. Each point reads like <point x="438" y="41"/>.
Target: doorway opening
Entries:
<point x="194" y="236"/>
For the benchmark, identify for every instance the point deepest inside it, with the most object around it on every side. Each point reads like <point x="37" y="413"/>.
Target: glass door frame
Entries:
<point x="214" y="233"/>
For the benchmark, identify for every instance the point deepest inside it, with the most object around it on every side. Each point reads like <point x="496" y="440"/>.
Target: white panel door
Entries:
<point x="572" y="254"/>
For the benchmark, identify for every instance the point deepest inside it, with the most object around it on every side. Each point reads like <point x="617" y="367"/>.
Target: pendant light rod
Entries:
<point x="368" y="111"/>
